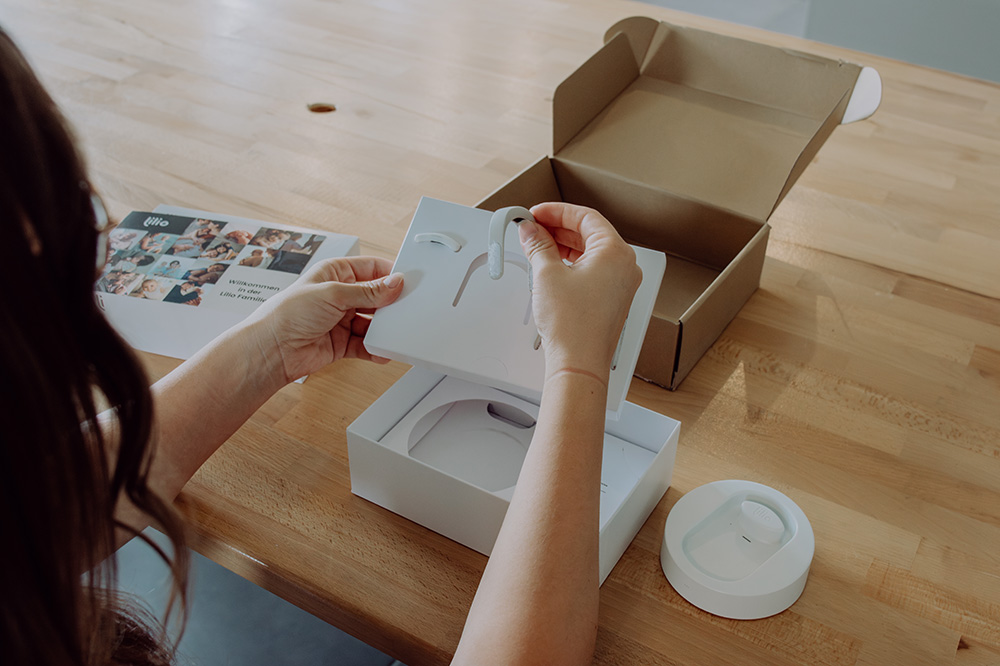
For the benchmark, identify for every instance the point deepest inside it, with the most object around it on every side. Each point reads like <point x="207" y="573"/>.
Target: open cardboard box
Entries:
<point x="446" y="453"/>
<point x="687" y="141"/>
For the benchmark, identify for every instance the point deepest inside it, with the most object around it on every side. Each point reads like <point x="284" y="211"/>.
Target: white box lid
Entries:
<point x="453" y="318"/>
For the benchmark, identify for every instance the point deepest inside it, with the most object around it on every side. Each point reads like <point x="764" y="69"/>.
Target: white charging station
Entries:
<point x="737" y="549"/>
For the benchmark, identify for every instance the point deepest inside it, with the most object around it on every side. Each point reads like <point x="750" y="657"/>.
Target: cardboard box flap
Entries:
<point x="793" y="81"/>
<point x="588" y="90"/>
<point x="712" y="119"/>
<point x="639" y="30"/>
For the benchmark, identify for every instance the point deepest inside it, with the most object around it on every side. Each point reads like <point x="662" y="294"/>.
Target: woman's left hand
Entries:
<point x="318" y="319"/>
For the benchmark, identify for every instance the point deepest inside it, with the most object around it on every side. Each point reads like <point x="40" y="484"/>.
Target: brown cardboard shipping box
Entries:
<point x="686" y="140"/>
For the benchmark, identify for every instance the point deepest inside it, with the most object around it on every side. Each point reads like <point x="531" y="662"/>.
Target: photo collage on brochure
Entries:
<point x="177" y="259"/>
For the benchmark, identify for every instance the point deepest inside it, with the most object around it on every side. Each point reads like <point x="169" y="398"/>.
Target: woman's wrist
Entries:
<point x="595" y="364"/>
<point x="258" y="347"/>
<point x="583" y="373"/>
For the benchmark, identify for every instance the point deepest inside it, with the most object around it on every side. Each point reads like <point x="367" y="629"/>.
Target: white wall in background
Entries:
<point x="955" y="35"/>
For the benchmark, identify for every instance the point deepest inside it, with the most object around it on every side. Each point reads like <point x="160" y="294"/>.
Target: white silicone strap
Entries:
<point x="498" y="230"/>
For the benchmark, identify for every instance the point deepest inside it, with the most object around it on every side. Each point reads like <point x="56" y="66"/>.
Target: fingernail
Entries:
<point x="526" y="230"/>
<point x="392" y="281"/>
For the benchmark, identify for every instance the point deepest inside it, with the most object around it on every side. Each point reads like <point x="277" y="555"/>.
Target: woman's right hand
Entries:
<point x="579" y="309"/>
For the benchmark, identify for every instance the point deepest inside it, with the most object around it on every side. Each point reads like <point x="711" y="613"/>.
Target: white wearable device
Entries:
<point x="498" y="228"/>
<point x="497" y="232"/>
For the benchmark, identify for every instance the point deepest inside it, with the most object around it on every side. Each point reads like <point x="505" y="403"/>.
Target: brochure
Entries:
<point x="176" y="278"/>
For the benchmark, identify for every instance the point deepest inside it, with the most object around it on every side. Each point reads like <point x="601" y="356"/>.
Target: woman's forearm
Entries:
<point x="198" y="406"/>
<point x="206" y="399"/>
<point x="538" y="598"/>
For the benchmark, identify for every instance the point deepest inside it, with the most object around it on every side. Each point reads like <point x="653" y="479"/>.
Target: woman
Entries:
<point x="61" y="361"/>
<point x="167" y="269"/>
<point x="128" y="263"/>
<point x="238" y="236"/>
<point x="154" y="243"/>
<point x="256" y="256"/>
<point x="188" y="247"/>
<point x="222" y="252"/>
<point x="201" y="230"/>
<point x="292" y="244"/>
<point x="78" y="482"/>
<point x="209" y="275"/>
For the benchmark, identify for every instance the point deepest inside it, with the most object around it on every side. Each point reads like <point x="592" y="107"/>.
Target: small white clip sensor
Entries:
<point x="498" y="230"/>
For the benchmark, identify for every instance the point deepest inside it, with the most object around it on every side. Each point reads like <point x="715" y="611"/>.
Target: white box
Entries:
<point x="399" y="459"/>
<point x="444" y="445"/>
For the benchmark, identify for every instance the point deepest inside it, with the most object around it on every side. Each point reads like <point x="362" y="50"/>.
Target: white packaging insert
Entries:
<point x="481" y="435"/>
<point x="454" y="318"/>
<point x="446" y="453"/>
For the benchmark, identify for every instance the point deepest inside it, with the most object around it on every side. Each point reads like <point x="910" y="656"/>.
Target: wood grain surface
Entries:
<point x="862" y="379"/>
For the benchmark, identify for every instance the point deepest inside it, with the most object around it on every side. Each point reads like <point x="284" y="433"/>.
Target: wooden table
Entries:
<point x="862" y="379"/>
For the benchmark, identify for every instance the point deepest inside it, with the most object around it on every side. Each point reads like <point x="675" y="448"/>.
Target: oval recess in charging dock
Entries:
<point x="482" y="442"/>
<point x="509" y="414"/>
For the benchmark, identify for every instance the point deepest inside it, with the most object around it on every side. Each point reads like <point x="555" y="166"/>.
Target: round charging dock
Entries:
<point x="737" y="549"/>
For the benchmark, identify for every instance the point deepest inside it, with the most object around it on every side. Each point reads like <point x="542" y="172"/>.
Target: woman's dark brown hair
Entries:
<point x="60" y="361"/>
